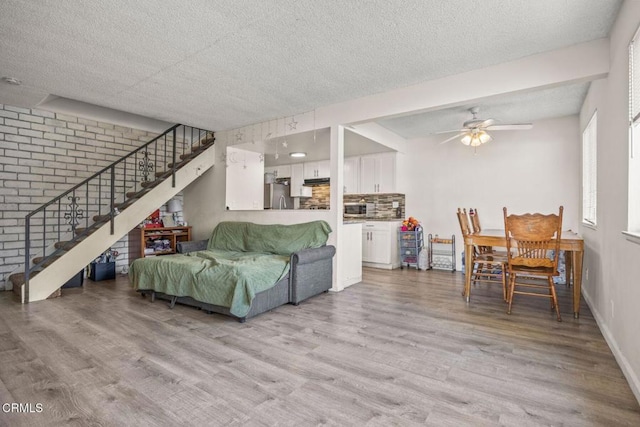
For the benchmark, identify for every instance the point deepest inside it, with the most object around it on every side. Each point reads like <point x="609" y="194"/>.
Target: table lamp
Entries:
<point x="174" y="206"/>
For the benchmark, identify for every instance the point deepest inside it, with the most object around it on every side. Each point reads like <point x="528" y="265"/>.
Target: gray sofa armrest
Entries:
<point x="191" y="246"/>
<point x="307" y="256"/>
<point x="311" y="272"/>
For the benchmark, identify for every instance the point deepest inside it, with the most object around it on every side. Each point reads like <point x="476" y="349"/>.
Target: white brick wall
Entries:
<point x="43" y="154"/>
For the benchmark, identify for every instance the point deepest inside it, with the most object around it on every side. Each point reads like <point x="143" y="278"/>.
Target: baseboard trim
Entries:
<point x="627" y="371"/>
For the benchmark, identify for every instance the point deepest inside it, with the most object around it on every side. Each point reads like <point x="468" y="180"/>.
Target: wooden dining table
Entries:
<point x="571" y="242"/>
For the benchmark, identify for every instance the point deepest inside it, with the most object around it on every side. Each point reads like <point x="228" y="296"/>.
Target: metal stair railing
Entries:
<point x="137" y="171"/>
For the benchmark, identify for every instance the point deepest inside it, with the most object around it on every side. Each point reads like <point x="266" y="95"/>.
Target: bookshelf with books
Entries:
<point x="146" y="242"/>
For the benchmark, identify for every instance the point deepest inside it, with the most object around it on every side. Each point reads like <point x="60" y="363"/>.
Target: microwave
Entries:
<point x="359" y="210"/>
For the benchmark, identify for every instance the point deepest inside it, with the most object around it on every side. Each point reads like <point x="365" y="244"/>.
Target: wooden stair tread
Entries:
<point x="200" y="147"/>
<point x="151" y="184"/>
<point x="48" y="262"/>
<point x="180" y="164"/>
<point x="88" y="231"/>
<point x="170" y="165"/>
<point x="17" y="280"/>
<point x="67" y="245"/>
<point x="137" y="194"/>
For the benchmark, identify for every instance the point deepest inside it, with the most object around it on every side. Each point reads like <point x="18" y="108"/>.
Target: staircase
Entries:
<point x="67" y="233"/>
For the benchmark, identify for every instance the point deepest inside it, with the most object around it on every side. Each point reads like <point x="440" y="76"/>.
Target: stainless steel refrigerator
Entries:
<point x="277" y="196"/>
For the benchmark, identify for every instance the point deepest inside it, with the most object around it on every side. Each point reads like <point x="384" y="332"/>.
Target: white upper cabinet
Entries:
<point x="386" y="173"/>
<point x="378" y="173"/>
<point x="352" y="175"/>
<point x="282" y="171"/>
<point x="368" y="179"/>
<point x="297" y="182"/>
<point x="315" y="170"/>
<point x="324" y="169"/>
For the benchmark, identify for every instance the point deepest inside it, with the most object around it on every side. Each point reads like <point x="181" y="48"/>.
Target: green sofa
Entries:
<point x="243" y="269"/>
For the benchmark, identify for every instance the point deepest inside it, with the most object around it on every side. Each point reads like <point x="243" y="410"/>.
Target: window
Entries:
<point x="589" y="171"/>
<point x="634" y="135"/>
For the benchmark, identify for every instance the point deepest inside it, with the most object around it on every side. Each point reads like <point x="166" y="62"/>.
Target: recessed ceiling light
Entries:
<point x="298" y="154"/>
<point x="12" y="81"/>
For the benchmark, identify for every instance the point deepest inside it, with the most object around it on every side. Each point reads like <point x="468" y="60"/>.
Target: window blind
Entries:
<point x="589" y="171"/>
<point x="634" y="79"/>
<point x="633" y="218"/>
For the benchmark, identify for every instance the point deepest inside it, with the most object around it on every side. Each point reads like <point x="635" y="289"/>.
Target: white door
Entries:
<point x="324" y="169"/>
<point x="351" y="175"/>
<point x="367" y="174"/>
<point x="366" y="245"/>
<point x="310" y="170"/>
<point x="297" y="179"/>
<point x="380" y="247"/>
<point x="271" y="169"/>
<point x="283" y="171"/>
<point x="386" y="173"/>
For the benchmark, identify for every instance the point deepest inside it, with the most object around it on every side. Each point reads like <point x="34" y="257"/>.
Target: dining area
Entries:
<point x="523" y="257"/>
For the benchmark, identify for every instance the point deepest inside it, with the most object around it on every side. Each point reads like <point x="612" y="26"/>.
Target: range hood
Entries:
<point x="316" y="181"/>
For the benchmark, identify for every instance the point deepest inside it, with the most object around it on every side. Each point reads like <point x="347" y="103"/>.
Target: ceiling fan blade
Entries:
<point x="449" y="131"/>
<point x="521" y="126"/>
<point x="453" y="137"/>
<point x="486" y="123"/>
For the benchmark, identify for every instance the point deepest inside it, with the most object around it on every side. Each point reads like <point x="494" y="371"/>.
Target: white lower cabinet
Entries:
<point x="380" y="244"/>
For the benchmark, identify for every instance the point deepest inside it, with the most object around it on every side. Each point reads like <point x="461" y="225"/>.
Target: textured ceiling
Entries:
<point x="222" y="64"/>
<point x="508" y="109"/>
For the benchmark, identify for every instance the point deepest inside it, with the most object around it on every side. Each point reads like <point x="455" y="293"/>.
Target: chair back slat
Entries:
<point x="475" y="223"/>
<point x="475" y="220"/>
<point x="530" y="237"/>
<point x="463" y="220"/>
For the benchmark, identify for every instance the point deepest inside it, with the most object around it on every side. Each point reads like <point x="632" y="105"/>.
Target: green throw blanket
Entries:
<point x="224" y="278"/>
<point x="271" y="238"/>
<point x="242" y="260"/>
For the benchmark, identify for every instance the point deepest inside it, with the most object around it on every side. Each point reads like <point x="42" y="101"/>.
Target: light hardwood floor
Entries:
<point x="401" y="348"/>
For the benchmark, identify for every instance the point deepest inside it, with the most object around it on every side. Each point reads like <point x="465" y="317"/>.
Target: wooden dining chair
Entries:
<point x="530" y="237"/>
<point x="484" y="266"/>
<point x="475" y="224"/>
<point x="475" y="220"/>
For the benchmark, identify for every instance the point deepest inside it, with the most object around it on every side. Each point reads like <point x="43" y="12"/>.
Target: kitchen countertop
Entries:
<point x="358" y="220"/>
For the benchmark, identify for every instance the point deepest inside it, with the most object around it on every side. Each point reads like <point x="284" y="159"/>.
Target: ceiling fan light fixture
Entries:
<point x="484" y="137"/>
<point x="476" y="138"/>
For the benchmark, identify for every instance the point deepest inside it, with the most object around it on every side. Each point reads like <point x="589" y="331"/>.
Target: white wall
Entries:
<point x="535" y="170"/>
<point x="245" y="183"/>
<point x="611" y="288"/>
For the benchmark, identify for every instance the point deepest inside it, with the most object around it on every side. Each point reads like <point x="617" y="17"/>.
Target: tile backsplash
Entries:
<point x="320" y="198"/>
<point x="383" y="202"/>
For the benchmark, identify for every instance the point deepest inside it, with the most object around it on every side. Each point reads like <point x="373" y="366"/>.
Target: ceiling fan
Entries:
<point x="474" y="131"/>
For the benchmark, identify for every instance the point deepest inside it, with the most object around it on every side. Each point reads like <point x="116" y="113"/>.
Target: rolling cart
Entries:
<point x="410" y="244"/>
<point x="442" y="253"/>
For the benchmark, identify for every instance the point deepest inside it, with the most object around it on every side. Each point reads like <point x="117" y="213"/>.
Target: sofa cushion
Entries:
<point x="269" y="238"/>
